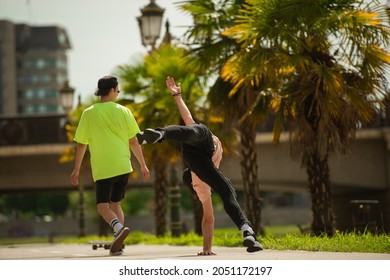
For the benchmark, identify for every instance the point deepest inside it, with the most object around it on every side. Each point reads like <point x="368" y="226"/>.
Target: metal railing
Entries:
<point x="32" y="129"/>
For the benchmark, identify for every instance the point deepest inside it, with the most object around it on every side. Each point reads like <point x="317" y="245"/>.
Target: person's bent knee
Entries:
<point x="115" y="204"/>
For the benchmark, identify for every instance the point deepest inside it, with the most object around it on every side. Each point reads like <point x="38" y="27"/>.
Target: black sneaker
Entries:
<point x="149" y="136"/>
<point x="251" y="243"/>
<point x="119" y="237"/>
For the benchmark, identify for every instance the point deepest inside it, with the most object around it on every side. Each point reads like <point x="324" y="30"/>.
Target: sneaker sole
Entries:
<point x="117" y="243"/>
<point x="252" y="244"/>
<point x="255" y="248"/>
<point x="148" y="136"/>
<point x="249" y="241"/>
<point x="117" y="253"/>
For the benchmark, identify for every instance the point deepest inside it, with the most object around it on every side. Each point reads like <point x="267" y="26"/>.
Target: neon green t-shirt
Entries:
<point x="107" y="128"/>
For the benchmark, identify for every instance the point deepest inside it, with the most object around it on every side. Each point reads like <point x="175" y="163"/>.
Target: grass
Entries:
<point x="276" y="238"/>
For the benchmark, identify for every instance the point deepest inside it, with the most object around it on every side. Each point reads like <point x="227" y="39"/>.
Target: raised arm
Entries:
<point x="176" y="93"/>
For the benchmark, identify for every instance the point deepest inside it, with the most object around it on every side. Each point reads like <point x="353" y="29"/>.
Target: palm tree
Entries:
<point x="144" y="80"/>
<point x="325" y="62"/>
<point x="209" y="52"/>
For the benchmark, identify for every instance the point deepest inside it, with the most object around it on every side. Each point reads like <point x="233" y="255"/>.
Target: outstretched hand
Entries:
<point x="173" y="88"/>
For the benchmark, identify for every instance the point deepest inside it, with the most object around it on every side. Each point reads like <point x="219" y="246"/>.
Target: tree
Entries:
<point x="144" y="81"/>
<point x="325" y="63"/>
<point x="36" y="204"/>
<point x="209" y="51"/>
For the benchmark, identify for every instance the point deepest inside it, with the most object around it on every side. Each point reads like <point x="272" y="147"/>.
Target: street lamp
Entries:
<point x="66" y="96"/>
<point x="150" y="23"/>
<point x="66" y="100"/>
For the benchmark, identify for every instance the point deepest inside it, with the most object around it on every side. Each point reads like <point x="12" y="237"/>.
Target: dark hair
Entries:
<point x="105" y="84"/>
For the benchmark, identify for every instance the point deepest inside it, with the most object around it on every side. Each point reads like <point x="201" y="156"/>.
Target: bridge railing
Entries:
<point x="32" y="129"/>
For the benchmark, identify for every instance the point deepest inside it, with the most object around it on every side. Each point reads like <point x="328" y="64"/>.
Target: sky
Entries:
<point x="103" y="33"/>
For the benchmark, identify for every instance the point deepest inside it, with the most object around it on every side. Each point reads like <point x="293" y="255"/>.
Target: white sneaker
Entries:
<point x="120" y="236"/>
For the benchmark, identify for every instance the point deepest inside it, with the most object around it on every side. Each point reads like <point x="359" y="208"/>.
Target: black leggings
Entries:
<point x="197" y="150"/>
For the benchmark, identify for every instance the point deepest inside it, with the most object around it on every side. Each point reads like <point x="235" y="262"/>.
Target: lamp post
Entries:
<point x="174" y="195"/>
<point x="150" y="28"/>
<point x="66" y="96"/>
<point x="66" y="100"/>
<point x="150" y="23"/>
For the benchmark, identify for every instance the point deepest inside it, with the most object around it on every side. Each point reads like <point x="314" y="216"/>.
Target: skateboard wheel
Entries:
<point x="94" y="247"/>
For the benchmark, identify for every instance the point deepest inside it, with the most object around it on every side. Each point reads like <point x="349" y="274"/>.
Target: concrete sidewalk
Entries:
<point x="158" y="252"/>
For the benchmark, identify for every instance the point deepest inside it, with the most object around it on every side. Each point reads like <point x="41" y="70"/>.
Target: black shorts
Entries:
<point x="111" y="189"/>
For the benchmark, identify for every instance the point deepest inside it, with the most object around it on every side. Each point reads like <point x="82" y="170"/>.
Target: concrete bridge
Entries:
<point x="32" y="164"/>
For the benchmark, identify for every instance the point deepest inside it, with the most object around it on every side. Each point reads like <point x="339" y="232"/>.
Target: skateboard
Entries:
<point x="102" y="244"/>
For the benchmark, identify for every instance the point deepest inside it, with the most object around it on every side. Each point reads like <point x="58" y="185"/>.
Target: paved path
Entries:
<point x="158" y="252"/>
<point x="159" y="262"/>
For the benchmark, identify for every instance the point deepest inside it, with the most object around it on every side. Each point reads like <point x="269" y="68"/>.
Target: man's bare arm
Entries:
<point x="175" y="90"/>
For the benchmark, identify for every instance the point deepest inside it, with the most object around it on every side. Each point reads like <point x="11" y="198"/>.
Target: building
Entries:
<point x="33" y="67"/>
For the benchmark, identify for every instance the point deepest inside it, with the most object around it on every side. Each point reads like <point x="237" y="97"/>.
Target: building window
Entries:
<point x="51" y="93"/>
<point x="28" y="63"/>
<point x="29" y="94"/>
<point x="61" y="38"/>
<point x="40" y="63"/>
<point x="28" y="79"/>
<point x="42" y="108"/>
<point x="45" y="78"/>
<point x="41" y="94"/>
<point x="29" y="108"/>
<point x="60" y="78"/>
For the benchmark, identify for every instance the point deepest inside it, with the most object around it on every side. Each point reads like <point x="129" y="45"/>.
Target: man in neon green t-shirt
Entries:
<point x="109" y="129"/>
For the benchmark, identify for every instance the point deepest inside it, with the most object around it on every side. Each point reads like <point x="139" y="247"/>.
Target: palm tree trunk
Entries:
<point x="321" y="203"/>
<point x="249" y="175"/>
<point x="160" y="183"/>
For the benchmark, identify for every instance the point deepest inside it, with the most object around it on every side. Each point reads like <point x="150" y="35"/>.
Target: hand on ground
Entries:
<point x="206" y="253"/>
